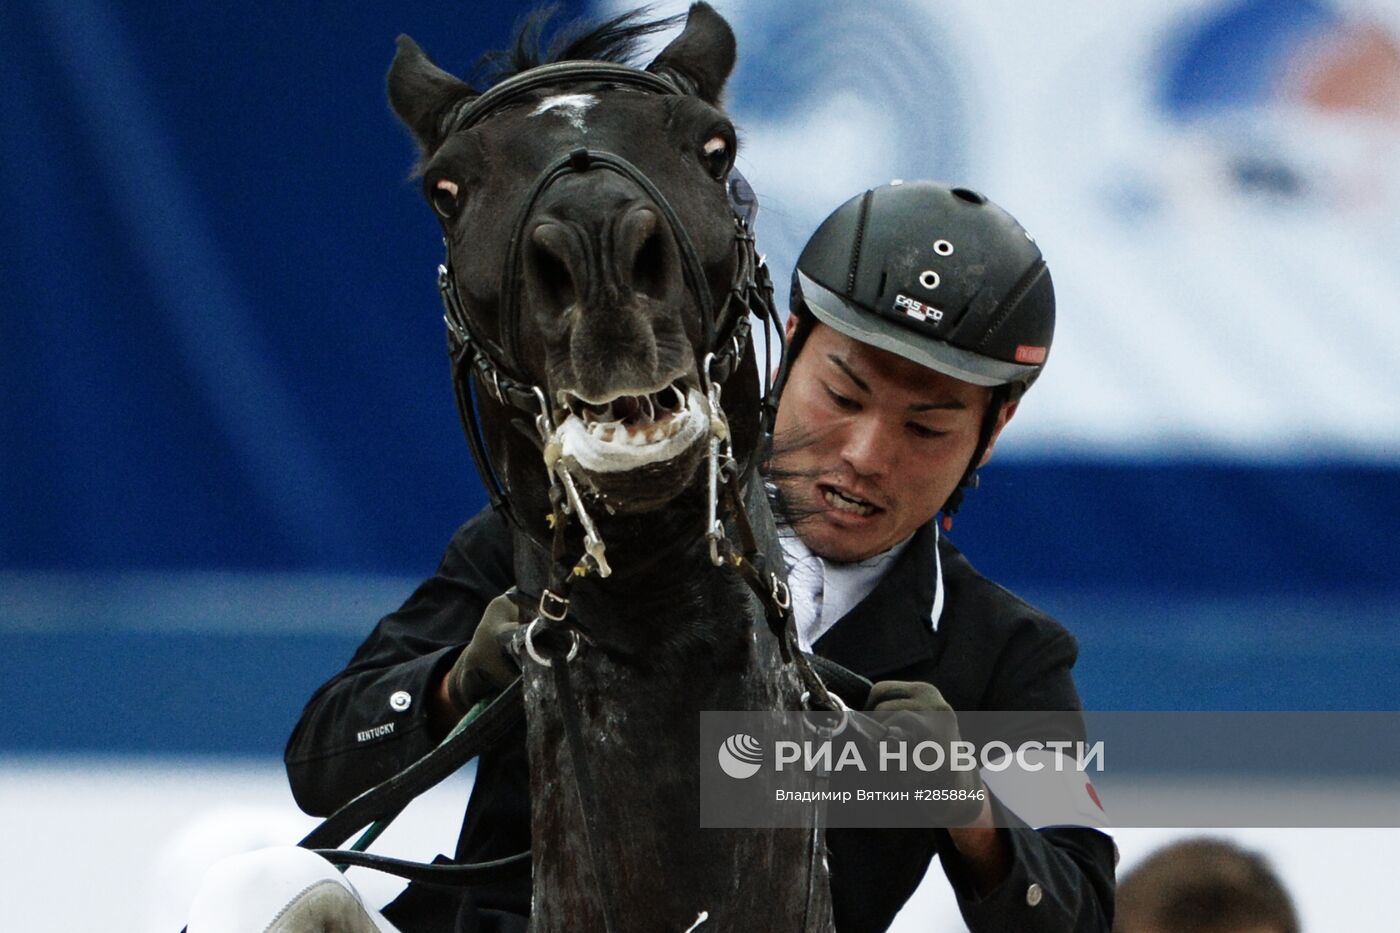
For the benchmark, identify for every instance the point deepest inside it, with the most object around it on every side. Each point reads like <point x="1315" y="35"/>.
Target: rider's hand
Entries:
<point x="916" y="712"/>
<point x="913" y="696"/>
<point x="485" y="666"/>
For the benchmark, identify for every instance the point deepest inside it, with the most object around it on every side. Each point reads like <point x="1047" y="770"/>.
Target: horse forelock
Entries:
<point x="541" y="40"/>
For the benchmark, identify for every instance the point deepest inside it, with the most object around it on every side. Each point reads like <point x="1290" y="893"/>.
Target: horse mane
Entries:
<point x="792" y="514"/>
<point x="541" y="40"/>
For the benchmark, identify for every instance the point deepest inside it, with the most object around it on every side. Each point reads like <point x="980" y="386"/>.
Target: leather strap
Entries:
<point x="560" y="74"/>
<point x="503" y="716"/>
<point x="442" y="875"/>
<point x="588" y="796"/>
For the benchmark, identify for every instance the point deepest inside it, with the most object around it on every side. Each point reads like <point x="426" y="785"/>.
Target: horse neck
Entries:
<point x="666" y="602"/>
<point x="676" y="638"/>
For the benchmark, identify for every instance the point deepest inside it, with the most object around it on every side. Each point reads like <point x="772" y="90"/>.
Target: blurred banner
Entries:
<point x="1213" y="184"/>
<point x="222" y="366"/>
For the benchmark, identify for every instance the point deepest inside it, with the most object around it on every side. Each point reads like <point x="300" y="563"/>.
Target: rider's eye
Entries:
<point x="443" y="195"/>
<point x="717" y="156"/>
<point x="842" y="401"/>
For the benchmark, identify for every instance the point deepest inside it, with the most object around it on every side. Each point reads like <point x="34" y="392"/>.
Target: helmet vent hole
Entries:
<point x="968" y="195"/>
<point x="884" y="277"/>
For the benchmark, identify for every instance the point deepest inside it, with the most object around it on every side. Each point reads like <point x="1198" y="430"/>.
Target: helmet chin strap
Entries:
<point x="1000" y="395"/>
<point x="791" y="347"/>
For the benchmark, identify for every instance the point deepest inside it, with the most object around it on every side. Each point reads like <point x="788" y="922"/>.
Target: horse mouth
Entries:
<point x="629" y="431"/>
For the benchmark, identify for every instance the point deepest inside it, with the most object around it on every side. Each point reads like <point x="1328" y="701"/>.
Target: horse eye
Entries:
<point x="717" y="156"/>
<point x="444" y="198"/>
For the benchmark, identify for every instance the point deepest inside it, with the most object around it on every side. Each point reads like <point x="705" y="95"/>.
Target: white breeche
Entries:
<point x="281" y="890"/>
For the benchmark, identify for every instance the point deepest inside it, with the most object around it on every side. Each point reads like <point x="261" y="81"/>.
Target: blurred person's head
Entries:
<point x="1203" y="886"/>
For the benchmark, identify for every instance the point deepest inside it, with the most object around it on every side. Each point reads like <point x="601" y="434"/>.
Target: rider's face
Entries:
<point x="870" y="445"/>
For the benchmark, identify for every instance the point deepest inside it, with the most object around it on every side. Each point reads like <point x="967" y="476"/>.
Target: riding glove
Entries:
<point x="914" y="711"/>
<point x="486" y="667"/>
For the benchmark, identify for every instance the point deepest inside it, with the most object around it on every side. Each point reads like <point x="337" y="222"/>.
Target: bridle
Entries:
<point x="551" y="639"/>
<point x="725" y="337"/>
<point x="494" y="366"/>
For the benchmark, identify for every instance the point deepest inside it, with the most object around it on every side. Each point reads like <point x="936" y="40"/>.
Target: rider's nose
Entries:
<point x="865" y="448"/>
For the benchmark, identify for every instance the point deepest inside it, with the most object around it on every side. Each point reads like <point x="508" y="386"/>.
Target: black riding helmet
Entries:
<point x="940" y="276"/>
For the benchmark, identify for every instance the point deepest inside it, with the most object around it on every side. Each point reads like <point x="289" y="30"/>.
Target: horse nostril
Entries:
<point x="648" y="266"/>
<point x="550" y="245"/>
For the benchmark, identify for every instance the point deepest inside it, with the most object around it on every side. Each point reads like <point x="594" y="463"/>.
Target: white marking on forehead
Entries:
<point x="573" y="107"/>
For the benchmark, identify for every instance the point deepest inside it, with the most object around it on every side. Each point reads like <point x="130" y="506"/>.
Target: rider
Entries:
<point x="920" y="316"/>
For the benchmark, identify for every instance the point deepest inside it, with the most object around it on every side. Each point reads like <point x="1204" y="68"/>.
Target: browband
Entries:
<point x="472" y="111"/>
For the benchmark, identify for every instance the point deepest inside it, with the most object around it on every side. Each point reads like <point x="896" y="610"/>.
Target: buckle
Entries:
<point x="782" y="596"/>
<point x="553" y="606"/>
<point x="716" y="538"/>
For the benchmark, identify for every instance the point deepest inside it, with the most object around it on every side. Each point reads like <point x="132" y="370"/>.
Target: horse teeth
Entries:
<point x="671" y="399"/>
<point x="643" y="420"/>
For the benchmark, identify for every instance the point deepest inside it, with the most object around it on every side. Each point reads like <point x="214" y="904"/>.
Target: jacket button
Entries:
<point x="1034" y="894"/>
<point x="400" y="700"/>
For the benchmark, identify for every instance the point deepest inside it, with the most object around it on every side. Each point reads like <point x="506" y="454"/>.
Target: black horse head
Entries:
<point x="592" y="251"/>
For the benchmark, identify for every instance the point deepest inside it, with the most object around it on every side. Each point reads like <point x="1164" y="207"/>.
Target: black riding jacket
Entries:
<point x="991" y="651"/>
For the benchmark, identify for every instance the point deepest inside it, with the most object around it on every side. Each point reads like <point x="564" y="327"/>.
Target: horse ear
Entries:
<point x="420" y="92"/>
<point x="703" y="53"/>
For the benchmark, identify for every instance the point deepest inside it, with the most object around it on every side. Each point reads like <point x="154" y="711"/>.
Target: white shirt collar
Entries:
<point x="823" y="591"/>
